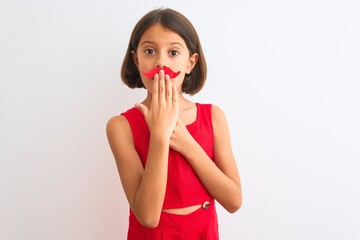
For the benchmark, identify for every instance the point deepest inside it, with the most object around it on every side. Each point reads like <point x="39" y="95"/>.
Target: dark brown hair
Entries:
<point x="179" y="24"/>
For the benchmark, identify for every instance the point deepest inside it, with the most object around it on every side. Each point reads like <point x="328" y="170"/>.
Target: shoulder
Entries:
<point x="215" y="110"/>
<point x="218" y="119"/>
<point x="121" y="122"/>
<point x="119" y="135"/>
<point x="217" y="114"/>
<point x="117" y="126"/>
<point x="116" y="122"/>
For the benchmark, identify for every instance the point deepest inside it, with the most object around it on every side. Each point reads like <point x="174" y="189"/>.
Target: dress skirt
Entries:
<point x="201" y="224"/>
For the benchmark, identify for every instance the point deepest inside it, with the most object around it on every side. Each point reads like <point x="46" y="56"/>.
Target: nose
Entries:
<point x="160" y="62"/>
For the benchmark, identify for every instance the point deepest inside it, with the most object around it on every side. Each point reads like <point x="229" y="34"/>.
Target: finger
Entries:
<point x="161" y="86"/>
<point x="174" y="93"/>
<point x="143" y="109"/>
<point x="155" y="86"/>
<point x="169" y="89"/>
<point x="155" y="91"/>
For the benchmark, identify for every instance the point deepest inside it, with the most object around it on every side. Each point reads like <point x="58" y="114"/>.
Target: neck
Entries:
<point x="183" y="102"/>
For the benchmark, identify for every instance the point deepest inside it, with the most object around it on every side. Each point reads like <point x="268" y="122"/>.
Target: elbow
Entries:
<point x="233" y="209"/>
<point x="149" y="224"/>
<point x="147" y="216"/>
<point x="149" y="221"/>
<point x="234" y="206"/>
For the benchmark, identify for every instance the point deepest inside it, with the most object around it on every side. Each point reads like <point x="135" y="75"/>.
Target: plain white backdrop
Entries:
<point x="286" y="73"/>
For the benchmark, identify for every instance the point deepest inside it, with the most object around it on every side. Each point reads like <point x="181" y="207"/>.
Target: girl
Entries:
<point x="174" y="156"/>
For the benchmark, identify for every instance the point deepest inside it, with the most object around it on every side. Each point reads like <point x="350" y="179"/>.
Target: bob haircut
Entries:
<point x="179" y="24"/>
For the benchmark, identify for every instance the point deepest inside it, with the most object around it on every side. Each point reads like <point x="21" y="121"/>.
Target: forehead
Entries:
<point x="158" y="34"/>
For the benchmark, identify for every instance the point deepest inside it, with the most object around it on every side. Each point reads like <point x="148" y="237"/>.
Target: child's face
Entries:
<point x="160" y="47"/>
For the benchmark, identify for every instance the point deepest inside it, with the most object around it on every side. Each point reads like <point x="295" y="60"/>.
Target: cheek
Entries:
<point x="141" y="67"/>
<point x="145" y="64"/>
<point x="179" y="82"/>
<point x="147" y="82"/>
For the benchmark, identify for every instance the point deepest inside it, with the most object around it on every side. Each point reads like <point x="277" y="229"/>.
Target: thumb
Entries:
<point x="142" y="108"/>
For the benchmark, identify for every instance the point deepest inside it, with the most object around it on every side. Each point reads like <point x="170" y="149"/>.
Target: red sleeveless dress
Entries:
<point x="183" y="189"/>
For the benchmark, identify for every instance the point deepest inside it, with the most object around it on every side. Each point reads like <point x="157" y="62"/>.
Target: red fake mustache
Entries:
<point x="156" y="70"/>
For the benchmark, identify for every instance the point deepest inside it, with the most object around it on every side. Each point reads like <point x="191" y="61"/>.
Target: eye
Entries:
<point x="174" y="52"/>
<point x="149" y="51"/>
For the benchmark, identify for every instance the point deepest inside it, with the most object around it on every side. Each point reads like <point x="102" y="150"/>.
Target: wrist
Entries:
<point x="191" y="150"/>
<point x="159" y="138"/>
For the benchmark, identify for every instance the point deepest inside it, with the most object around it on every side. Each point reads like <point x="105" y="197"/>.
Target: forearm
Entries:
<point x="151" y="192"/>
<point x="224" y="189"/>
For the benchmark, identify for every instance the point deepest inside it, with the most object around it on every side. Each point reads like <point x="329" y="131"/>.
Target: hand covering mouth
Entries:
<point x="167" y="71"/>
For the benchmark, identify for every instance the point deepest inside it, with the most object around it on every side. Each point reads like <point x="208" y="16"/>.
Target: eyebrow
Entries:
<point x="172" y="43"/>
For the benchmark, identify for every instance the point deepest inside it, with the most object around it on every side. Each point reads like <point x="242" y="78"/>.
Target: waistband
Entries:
<point x="175" y="222"/>
<point x="201" y="216"/>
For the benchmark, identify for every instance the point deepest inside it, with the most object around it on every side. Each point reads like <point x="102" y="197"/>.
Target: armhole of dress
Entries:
<point x="211" y="123"/>
<point x="211" y="126"/>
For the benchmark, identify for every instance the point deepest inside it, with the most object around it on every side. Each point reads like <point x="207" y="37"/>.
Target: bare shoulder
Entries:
<point x="119" y="134"/>
<point x="121" y="142"/>
<point x="128" y="163"/>
<point x="117" y="124"/>
<point x="117" y="121"/>
<point x="218" y="119"/>
<point x="217" y="112"/>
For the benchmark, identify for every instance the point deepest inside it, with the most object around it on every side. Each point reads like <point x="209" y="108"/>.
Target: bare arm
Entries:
<point x="145" y="187"/>
<point x="221" y="180"/>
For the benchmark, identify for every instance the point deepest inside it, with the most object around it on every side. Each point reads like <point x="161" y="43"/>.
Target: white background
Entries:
<point x="286" y="73"/>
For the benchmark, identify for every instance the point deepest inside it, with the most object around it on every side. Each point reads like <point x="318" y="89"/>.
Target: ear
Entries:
<point x="192" y="62"/>
<point x="135" y="58"/>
